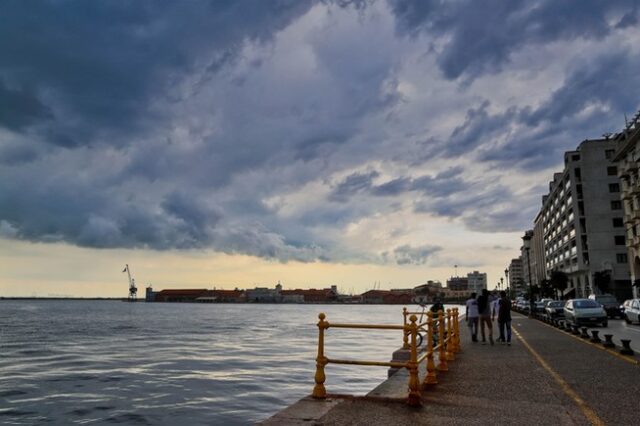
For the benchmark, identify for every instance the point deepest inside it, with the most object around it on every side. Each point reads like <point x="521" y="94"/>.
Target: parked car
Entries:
<point x="632" y="311"/>
<point x="585" y="312"/>
<point x="610" y="304"/>
<point x="554" y="309"/>
<point x="539" y="306"/>
<point x="523" y="305"/>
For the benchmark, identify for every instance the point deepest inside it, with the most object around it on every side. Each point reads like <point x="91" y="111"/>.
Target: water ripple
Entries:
<point x="107" y="362"/>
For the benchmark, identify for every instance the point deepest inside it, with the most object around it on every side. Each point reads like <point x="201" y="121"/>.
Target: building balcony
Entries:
<point x="571" y="268"/>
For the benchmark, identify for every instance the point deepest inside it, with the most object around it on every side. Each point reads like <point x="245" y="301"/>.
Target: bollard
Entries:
<point x="584" y="334"/>
<point x="608" y="343"/>
<point x="430" y="378"/>
<point x="595" y="338"/>
<point x="626" y="347"/>
<point x="442" y="355"/>
<point x="405" y="337"/>
<point x="319" y="390"/>
<point x="449" y="339"/>
<point x="414" y="383"/>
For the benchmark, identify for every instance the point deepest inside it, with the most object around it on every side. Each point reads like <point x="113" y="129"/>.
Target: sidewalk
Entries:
<point x="499" y="384"/>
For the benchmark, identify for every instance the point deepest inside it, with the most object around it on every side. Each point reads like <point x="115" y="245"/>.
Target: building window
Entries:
<point x="619" y="240"/>
<point x="612" y="170"/>
<point x="576" y="172"/>
<point x="575" y="157"/>
<point x="614" y="187"/>
<point x="616" y="205"/>
<point x="617" y="222"/>
<point x="621" y="258"/>
<point x="608" y="153"/>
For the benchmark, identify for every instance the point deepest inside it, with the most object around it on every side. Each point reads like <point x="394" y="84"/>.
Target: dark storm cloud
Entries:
<point x="606" y="83"/>
<point x="106" y="61"/>
<point x="353" y="184"/>
<point x="484" y="208"/>
<point x="363" y="183"/>
<point x="189" y="125"/>
<point x="481" y="36"/>
<point x="19" y="108"/>
<point x="409" y="255"/>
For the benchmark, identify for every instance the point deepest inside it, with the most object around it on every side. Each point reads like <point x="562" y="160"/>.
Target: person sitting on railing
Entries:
<point x="437" y="306"/>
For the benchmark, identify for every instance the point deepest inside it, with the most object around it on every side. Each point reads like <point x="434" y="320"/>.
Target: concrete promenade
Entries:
<point x="545" y="376"/>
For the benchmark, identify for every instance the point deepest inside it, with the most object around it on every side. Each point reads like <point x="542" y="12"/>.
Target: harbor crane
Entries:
<point x="133" y="290"/>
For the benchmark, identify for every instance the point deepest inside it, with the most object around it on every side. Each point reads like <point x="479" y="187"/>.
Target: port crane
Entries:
<point x="133" y="290"/>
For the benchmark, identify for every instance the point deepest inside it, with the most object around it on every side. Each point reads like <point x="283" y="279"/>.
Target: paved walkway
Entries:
<point x="545" y="376"/>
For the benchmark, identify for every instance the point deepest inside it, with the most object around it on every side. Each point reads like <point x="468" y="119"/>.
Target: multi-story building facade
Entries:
<point x="458" y="283"/>
<point x="583" y="225"/>
<point x="526" y="254"/>
<point x="538" y="261"/>
<point x="516" y="281"/>
<point x="626" y="156"/>
<point x="476" y="281"/>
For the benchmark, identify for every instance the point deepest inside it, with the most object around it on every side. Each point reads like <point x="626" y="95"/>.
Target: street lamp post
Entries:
<point x="506" y="276"/>
<point x="527" y="247"/>
<point x="501" y="282"/>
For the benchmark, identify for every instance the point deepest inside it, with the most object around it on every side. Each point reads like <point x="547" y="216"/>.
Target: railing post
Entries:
<point x="319" y="390"/>
<point x="442" y="355"/>
<point x="430" y="378"/>
<point x="412" y="365"/>
<point x="456" y="330"/>
<point x="405" y="338"/>
<point x="449" y="341"/>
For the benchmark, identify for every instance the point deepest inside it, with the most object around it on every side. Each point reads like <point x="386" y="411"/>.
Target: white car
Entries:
<point x="584" y="312"/>
<point x="632" y="311"/>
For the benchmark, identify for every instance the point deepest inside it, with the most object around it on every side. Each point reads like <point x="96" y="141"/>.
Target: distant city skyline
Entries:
<point x="315" y="143"/>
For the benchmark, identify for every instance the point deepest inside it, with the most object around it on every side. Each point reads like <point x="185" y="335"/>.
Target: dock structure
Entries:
<point x="546" y="376"/>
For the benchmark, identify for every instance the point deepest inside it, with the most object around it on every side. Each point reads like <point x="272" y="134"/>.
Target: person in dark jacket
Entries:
<point x="484" y="311"/>
<point x="504" y="318"/>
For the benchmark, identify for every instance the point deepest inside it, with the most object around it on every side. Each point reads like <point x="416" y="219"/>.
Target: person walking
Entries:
<point x="504" y="318"/>
<point x="495" y="299"/>
<point x="484" y="313"/>
<point x="471" y="313"/>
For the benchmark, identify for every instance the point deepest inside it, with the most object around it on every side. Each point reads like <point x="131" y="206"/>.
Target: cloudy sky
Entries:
<point x="236" y="143"/>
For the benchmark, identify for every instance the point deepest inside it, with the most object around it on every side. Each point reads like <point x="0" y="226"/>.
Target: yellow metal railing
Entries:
<point x="448" y="345"/>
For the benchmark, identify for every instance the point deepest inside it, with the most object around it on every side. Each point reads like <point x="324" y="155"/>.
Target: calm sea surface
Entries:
<point x="109" y="362"/>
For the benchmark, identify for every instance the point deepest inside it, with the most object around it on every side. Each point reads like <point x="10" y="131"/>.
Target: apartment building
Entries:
<point x="626" y="156"/>
<point x="476" y="281"/>
<point x="582" y="221"/>
<point x="516" y="280"/>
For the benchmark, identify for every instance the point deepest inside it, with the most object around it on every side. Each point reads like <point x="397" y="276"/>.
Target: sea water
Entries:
<point x="111" y="362"/>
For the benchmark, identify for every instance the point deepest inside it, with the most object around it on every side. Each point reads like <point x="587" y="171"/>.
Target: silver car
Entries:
<point x="585" y="312"/>
<point x="632" y="311"/>
<point x="554" y="309"/>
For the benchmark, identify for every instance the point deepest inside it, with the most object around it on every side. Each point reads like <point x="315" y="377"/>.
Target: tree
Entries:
<point x="559" y="281"/>
<point x="602" y="280"/>
<point x="546" y="289"/>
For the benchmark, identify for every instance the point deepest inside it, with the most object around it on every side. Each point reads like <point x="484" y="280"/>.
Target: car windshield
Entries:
<point x="555" y="304"/>
<point x="585" y="304"/>
<point x="606" y="299"/>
